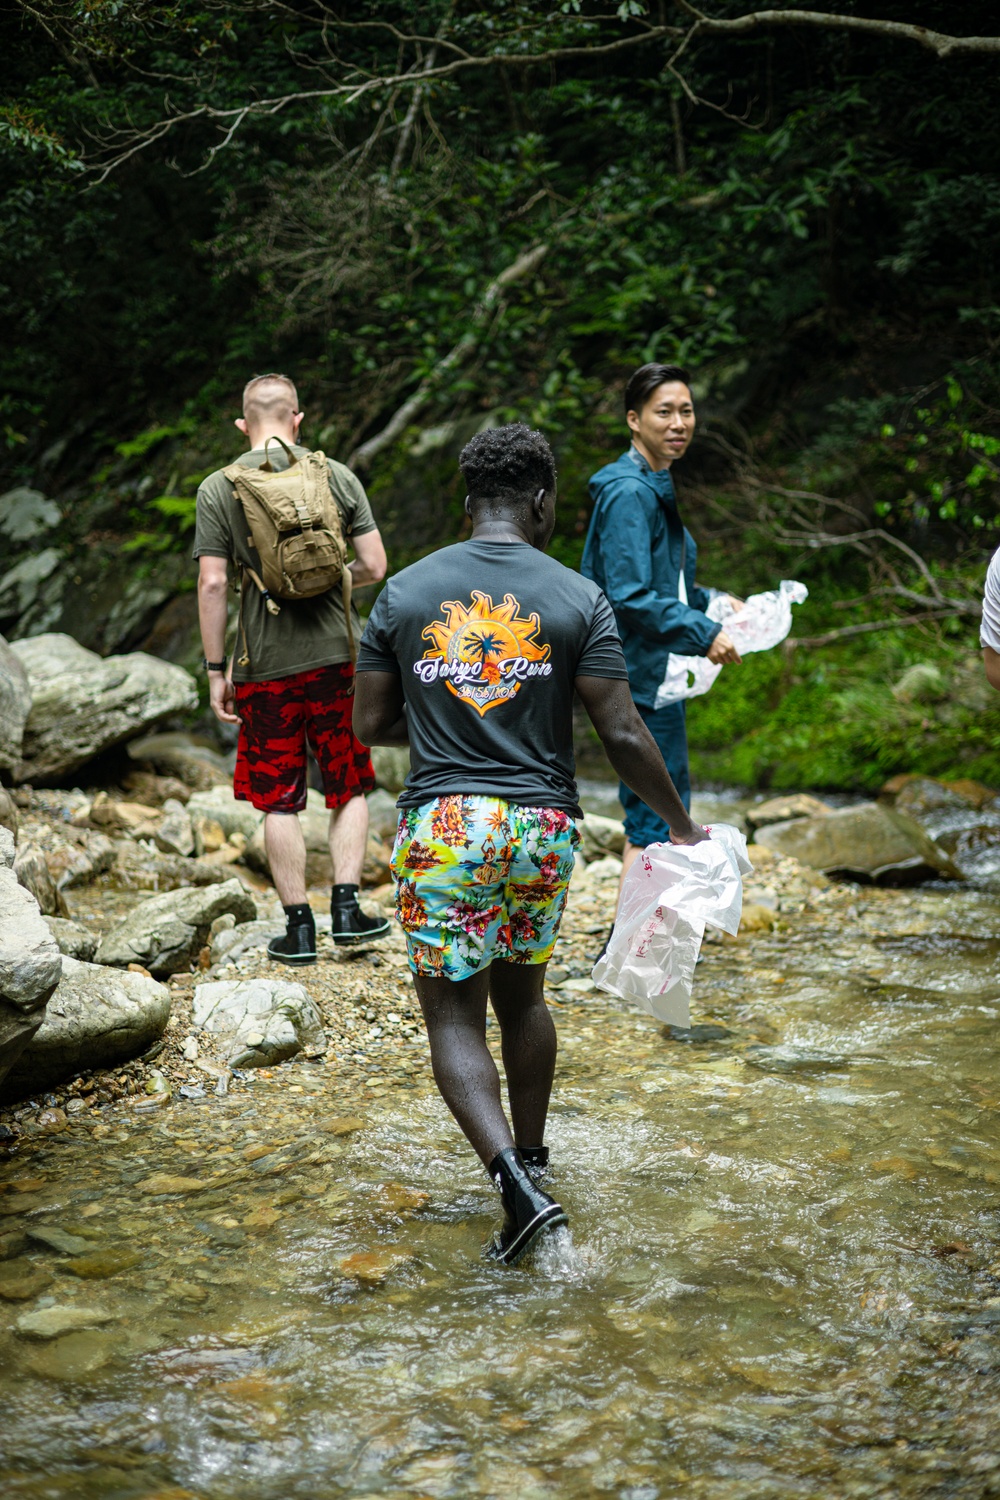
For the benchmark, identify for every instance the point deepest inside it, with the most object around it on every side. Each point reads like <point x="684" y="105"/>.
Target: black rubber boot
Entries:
<point x="298" y="946"/>
<point x="528" y="1212"/>
<point x="536" y="1159"/>
<point x="348" y="923"/>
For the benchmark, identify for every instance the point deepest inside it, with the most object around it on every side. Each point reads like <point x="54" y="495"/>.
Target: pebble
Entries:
<point x="372" y="1267"/>
<point x="103" y="1263"/>
<point x="58" y="1239"/>
<point x="20" y="1280"/>
<point x="164" y="1182"/>
<point x="73" y="1356"/>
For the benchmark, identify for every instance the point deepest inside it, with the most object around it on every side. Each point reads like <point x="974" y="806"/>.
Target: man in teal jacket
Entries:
<point x="640" y="553"/>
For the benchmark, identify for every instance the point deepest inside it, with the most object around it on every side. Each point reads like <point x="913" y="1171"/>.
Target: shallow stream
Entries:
<point x="782" y="1275"/>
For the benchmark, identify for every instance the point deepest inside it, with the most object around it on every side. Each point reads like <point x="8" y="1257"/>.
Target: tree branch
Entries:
<point x="938" y="42"/>
<point x="411" y="408"/>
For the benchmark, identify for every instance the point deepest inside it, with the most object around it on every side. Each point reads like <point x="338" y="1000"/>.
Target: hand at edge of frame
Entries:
<point x="722" y="651"/>
<point x="698" y="835"/>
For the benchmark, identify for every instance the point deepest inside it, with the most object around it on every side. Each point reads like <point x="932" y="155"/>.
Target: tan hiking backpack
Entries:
<point x="296" y="529"/>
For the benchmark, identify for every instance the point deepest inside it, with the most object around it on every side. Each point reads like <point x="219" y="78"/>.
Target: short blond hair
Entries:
<point x="269" y="399"/>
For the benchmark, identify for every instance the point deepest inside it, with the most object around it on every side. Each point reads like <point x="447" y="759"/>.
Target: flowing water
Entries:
<point x="781" y="1277"/>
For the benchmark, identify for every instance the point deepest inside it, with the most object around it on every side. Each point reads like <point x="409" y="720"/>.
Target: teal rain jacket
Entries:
<point x="633" y="552"/>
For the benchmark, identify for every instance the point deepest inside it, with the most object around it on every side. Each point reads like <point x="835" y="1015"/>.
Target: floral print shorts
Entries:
<point x="478" y="878"/>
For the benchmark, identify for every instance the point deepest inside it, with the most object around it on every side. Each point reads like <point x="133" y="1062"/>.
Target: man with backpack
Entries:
<point x="282" y="517"/>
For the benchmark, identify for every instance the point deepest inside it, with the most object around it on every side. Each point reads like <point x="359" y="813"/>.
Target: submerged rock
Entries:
<point x="867" y="842"/>
<point x="83" y="704"/>
<point x="168" y="931"/>
<point x="262" y="1021"/>
<point x="30" y="970"/>
<point x="96" y="1018"/>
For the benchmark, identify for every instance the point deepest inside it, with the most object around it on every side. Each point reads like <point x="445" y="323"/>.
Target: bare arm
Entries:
<point x="379" y="717"/>
<point x="991" y="661"/>
<point x="634" y="754"/>
<point x="369" y="563"/>
<point x="213" y="616"/>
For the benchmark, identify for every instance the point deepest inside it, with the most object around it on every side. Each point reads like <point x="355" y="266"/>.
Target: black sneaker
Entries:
<point x="348" y="923"/>
<point x="528" y="1212"/>
<point x="298" y="946"/>
<point x="536" y="1159"/>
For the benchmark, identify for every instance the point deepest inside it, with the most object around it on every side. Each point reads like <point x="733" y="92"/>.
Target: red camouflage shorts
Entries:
<point x="277" y="719"/>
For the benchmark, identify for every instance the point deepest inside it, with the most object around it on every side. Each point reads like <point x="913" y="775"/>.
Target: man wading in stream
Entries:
<point x="471" y="656"/>
<point x="291" y="680"/>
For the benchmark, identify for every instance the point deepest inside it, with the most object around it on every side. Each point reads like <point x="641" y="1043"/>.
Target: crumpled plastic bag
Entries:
<point x="669" y="896"/>
<point x="763" y="622"/>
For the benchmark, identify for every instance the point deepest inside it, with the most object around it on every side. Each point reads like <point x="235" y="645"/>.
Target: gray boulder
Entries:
<point x="26" y="513"/>
<point x="74" y="941"/>
<point x="8" y="848"/>
<point x="15" y="704"/>
<point x="175" y="834"/>
<point x="783" y="809"/>
<point x="168" y="931"/>
<point x="30" y="969"/>
<point x="20" y="587"/>
<point x="97" y="1018"/>
<point x="8" y="812"/>
<point x="181" y="755"/>
<point x="867" y="842"/>
<point x="83" y="704"/>
<point x="33" y="873"/>
<point x="391" y="764"/>
<point x="219" y="805"/>
<point x="383" y="814"/>
<point x="262" y="1021"/>
<point x="600" y="836"/>
<point x="230" y="943"/>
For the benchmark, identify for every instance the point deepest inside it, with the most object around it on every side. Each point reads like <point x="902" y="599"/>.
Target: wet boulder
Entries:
<point x="83" y="704"/>
<point x="782" y="809"/>
<point x="30" y="970"/>
<point x="97" y="1017"/>
<point x="167" y="932"/>
<point x="866" y="842"/>
<point x="15" y="705"/>
<point x="260" y="1021"/>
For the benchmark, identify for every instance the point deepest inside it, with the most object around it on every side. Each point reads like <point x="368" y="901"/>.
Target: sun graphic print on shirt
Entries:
<point x="484" y="652"/>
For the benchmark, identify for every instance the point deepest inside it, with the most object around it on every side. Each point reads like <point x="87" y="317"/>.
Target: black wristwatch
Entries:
<point x="214" y="666"/>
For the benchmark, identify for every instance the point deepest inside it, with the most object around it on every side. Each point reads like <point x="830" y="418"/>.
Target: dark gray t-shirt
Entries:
<point x="487" y="638"/>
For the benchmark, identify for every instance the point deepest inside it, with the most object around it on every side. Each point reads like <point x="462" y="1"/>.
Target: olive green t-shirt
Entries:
<point x="307" y="633"/>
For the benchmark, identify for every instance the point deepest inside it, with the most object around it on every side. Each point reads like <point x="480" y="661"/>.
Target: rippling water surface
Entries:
<point x="782" y="1275"/>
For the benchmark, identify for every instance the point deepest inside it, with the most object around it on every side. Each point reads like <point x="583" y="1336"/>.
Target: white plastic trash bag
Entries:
<point x="669" y="896"/>
<point x="763" y="622"/>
